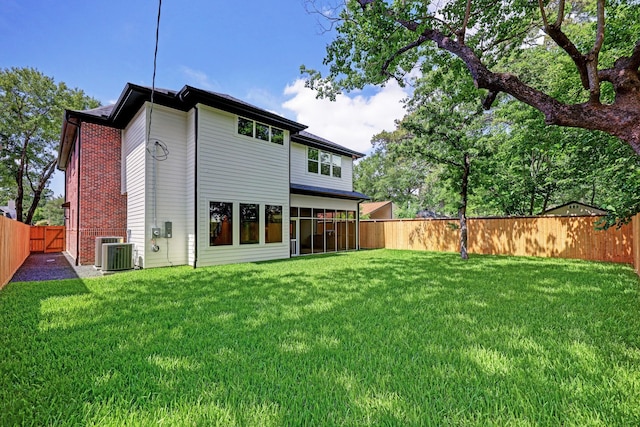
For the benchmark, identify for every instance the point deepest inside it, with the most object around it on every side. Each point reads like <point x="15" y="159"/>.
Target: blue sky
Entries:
<point x="248" y="49"/>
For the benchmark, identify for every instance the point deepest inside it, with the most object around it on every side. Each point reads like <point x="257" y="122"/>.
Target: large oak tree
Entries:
<point x="378" y="40"/>
<point x="32" y="106"/>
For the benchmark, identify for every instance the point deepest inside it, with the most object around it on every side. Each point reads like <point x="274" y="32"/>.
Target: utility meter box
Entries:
<point x="168" y="229"/>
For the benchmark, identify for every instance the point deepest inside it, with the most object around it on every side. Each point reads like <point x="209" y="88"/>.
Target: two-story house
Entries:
<point x="201" y="178"/>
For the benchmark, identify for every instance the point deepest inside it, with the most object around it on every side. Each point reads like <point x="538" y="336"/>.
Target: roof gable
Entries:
<point x="574" y="208"/>
<point x="371" y="207"/>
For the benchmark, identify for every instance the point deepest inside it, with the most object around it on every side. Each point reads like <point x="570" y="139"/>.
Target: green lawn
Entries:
<point x="370" y="338"/>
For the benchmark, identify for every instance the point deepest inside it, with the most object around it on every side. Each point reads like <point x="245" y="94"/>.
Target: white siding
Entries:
<point x="238" y="169"/>
<point x="299" y="174"/>
<point x="167" y="196"/>
<point x="133" y="149"/>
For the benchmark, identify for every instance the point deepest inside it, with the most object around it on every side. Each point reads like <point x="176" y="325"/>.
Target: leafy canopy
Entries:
<point x="30" y="122"/>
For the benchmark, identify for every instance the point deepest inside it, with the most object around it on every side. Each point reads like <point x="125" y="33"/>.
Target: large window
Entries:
<point x="324" y="163"/>
<point x="253" y="129"/>
<point x="220" y="229"/>
<point x="249" y="223"/>
<point x="273" y="224"/>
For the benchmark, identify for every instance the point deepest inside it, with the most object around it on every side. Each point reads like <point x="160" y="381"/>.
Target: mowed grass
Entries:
<point x="369" y="338"/>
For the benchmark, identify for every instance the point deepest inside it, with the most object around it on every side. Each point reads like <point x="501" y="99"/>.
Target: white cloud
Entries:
<point x="198" y="79"/>
<point x="350" y="121"/>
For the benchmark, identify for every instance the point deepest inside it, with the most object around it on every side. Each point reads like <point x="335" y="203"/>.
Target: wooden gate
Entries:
<point x="47" y="239"/>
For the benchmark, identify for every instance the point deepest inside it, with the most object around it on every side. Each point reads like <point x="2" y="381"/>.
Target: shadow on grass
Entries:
<point x="368" y="338"/>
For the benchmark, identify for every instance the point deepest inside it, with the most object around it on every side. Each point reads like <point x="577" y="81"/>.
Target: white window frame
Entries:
<point x="254" y="134"/>
<point x="334" y="159"/>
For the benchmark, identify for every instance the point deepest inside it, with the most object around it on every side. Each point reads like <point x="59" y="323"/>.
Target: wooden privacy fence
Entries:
<point x="562" y="237"/>
<point x="14" y="247"/>
<point x="47" y="239"/>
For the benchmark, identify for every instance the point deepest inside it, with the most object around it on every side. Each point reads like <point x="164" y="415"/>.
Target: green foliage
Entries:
<point x="366" y="338"/>
<point x="410" y="183"/>
<point x="51" y="212"/>
<point x="372" y="46"/>
<point x="30" y="123"/>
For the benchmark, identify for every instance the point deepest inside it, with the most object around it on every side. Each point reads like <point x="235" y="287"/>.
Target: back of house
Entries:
<point x="202" y="178"/>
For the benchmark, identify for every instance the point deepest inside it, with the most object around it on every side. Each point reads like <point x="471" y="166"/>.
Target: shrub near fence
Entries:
<point x="14" y="247"/>
<point x="561" y="237"/>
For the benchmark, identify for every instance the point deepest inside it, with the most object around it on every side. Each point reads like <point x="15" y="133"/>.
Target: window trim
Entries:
<point x="333" y="159"/>
<point x="265" y="208"/>
<point x="230" y="221"/>
<point x="254" y="134"/>
<point x="241" y="222"/>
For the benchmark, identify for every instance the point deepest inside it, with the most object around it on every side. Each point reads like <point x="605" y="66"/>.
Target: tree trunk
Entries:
<point x="37" y="193"/>
<point x="20" y="178"/>
<point x="462" y="212"/>
<point x="532" y="201"/>
<point x="19" y="195"/>
<point x="547" y="197"/>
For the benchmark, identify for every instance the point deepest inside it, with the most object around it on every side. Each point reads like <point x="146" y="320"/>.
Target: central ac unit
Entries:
<point x="99" y="241"/>
<point x="117" y="256"/>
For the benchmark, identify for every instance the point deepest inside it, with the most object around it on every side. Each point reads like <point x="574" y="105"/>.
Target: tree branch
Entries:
<point x="560" y="17"/>
<point x="489" y="100"/>
<point x="597" y="46"/>
<point x="593" y="56"/>
<point x="560" y="38"/>
<point x="465" y="22"/>
<point x="543" y="13"/>
<point x="406" y="48"/>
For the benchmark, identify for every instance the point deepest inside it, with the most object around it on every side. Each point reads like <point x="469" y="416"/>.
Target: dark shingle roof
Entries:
<point x="327" y="192"/>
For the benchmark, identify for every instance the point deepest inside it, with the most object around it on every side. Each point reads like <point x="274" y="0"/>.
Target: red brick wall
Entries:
<point x="103" y="209"/>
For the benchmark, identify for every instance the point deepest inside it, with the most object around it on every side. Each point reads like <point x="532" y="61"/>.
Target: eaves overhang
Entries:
<point x="311" y="140"/>
<point x="193" y="96"/>
<point x="311" y="190"/>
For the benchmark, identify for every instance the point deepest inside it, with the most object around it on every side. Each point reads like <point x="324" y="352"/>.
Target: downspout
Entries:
<point x="358" y="226"/>
<point x="289" y="185"/>
<point x="195" y="193"/>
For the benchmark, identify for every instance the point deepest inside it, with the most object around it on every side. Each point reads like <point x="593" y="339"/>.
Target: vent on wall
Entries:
<point x="117" y="256"/>
<point x="99" y="241"/>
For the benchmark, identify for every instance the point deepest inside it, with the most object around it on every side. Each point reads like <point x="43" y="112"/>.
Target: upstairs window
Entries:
<point x="245" y="127"/>
<point x="261" y="131"/>
<point x="324" y="163"/>
<point x="312" y="160"/>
